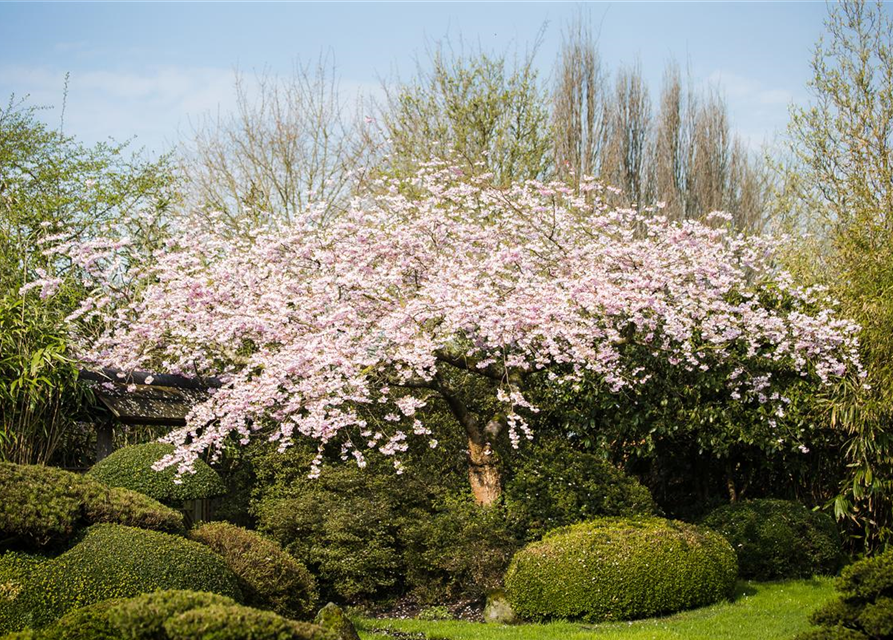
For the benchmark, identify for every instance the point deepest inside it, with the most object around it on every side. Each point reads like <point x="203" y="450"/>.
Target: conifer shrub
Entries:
<point x="131" y="468"/>
<point x="777" y="539"/>
<point x="269" y="577"/>
<point x="43" y="506"/>
<point x="620" y="569"/>
<point x="114" y="561"/>
<point x="864" y="610"/>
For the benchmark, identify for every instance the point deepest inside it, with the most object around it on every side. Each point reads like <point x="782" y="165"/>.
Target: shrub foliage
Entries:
<point x="43" y="505"/>
<point x="131" y="468"/>
<point x="620" y="569"/>
<point x="865" y="609"/>
<point x="269" y="577"/>
<point x="114" y="561"/>
<point x="778" y="539"/>
<point x="555" y="486"/>
<point x="172" y="615"/>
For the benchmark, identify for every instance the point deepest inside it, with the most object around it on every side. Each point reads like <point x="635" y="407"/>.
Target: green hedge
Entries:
<point x="131" y="468"/>
<point x="777" y="539"/>
<point x="555" y="485"/>
<point x="620" y="569"/>
<point x="42" y="506"/>
<point x="269" y="577"/>
<point x="865" y="609"/>
<point x="113" y="561"/>
<point x="174" y="615"/>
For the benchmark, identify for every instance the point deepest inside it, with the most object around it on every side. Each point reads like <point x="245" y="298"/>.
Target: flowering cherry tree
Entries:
<point x="436" y="280"/>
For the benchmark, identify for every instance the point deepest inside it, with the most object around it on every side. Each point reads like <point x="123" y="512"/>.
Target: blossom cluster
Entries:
<point x="306" y="322"/>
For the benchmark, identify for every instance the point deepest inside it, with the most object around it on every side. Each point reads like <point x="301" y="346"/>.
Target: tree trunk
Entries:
<point x="483" y="474"/>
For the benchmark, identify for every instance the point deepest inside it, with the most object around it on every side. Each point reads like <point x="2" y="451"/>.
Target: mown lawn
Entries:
<point x="760" y="611"/>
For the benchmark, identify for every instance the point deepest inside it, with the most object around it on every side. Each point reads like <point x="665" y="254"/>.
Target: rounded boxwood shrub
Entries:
<point x="620" y="569"/>
<point x="114" y="561"/>
<point x="269" y="577"/>
<point x="131" y="468"/>
<point x="556" y="485"/>
<point x="778" y="538"/>
<point x="44" y="505"/>
<point x="865" y="609"/>
<point x="234" y="622"/>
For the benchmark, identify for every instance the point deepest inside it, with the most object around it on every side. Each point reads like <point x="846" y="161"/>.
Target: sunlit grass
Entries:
<point x="760" y="611"/>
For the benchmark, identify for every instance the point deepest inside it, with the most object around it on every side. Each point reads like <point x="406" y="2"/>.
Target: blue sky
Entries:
<point x="145" y="69"/>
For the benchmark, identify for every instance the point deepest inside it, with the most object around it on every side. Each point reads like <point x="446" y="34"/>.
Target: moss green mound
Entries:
<point x="131" y="468"/>
<point x="270" y="578"/>
<point x="620" y="569"/>
<point x="42" y="506"/>
<point x="173" y="615"/>
<point x="778" y="539"/>
<point x="114" y="561"/>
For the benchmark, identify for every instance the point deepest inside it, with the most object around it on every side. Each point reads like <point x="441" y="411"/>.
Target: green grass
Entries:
<point x="760" y="611"/>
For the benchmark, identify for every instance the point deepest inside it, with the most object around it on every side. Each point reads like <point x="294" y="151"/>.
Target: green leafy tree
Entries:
<point x="50" y="184"/>
<point x="839" y="188"/>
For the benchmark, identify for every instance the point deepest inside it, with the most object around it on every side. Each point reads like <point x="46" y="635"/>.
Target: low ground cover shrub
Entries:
<point x="555" y="485"/>
<point x="778" y="538"/>
<point x="42" y="506"/>
<point x="235" y="622"/>
<point x="15" y="569"/>
<point x="269" y="577"/>
<point x="131" y="468"/>
<point x="864" y="610"/>
<point x="114" y="561"/>
<point x="620" y="569"/>
<point x="173" y="615"/>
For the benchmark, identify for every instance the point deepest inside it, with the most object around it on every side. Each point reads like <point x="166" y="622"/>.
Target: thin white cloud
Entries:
<point x="743" y="88"/>
<point x="100" y="104"/>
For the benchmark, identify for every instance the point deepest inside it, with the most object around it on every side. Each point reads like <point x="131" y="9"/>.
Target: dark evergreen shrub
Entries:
<point x="458" y="552"/>
<point x="556" y="485"/>
<point x="131" y="468"/>
<point x="620" y="569"/>
<point x="343" y="526"/>
<point x="114" y="561"/>
<point x="43" y="505"/>
<point x="864" y="609"/>
<point x="269" y="577"/>
<point x="778" y="539"/>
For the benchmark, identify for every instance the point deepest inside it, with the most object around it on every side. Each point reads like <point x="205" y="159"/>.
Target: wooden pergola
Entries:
<point x="130" y="400"/>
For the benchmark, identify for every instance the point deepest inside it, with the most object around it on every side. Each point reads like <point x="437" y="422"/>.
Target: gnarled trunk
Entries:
<point x="483" y="474"/>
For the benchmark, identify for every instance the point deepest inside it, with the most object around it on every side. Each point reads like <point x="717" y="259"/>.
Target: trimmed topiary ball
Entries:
<point x="864" y="610"/>
<point x="620" y="569"/>
<point x="113" y="561"/>
<point x="269" y="577"/>
<point x="556" y="486"/>
<point x="42" y="506"/>
<point x="131" y="468"/>
<point x="778" y="539"/>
